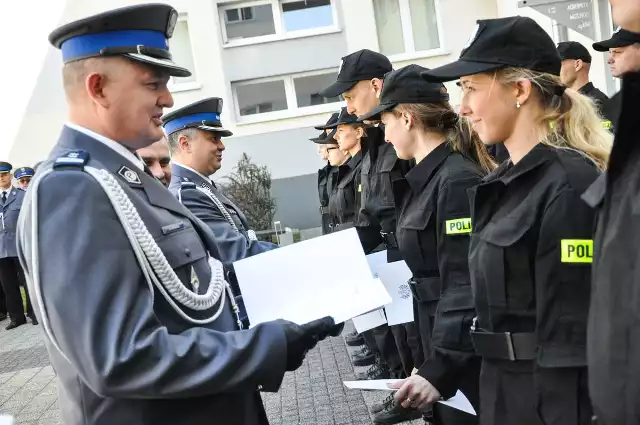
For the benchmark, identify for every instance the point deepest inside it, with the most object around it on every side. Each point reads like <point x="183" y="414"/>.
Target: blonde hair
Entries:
<point x="442" y="119"/>
<point x="569" y="120"/>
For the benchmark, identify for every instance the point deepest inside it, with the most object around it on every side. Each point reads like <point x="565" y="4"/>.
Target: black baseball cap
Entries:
<point x="324" y="138"/>
<point x="359" y="66"/>
<point x="620" y="38"/>
<point x="516" y="41"/>
<point x="573" y="50"/>
<point x="343" y="118"/>
<point x="406" y="85"/>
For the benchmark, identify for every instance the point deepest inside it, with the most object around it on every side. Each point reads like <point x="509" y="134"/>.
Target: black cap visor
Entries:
<point x="337" y="88"/>
<point x="167" y="65"/>
<point x="376" y="113"/>
<point x="611" y="43"/>
<point x="457" y="69"/>
<point x="326" y="140"/>
<point x="223" y="132"/>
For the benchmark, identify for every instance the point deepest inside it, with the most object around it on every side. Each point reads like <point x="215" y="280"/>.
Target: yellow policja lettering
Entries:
<point x="458" y="226"/>
<point x="576" y="250"/>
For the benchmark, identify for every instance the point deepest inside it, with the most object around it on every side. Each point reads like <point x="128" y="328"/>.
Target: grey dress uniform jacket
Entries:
<point x="9" y="218"/>
<point x="233" y="245"/>
<point x="126" y="356"/>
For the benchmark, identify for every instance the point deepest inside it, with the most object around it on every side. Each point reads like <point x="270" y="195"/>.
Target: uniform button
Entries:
<point x="187" y="252"/>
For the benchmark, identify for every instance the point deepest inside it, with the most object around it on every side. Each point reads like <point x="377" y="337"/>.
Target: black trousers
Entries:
<point x="424" y="314"/>
<point x="12" y="277"/>
<point x="525" y="394"/>
<point x="388" y="350"/>
<point x="3" y="301"/>
<point x="409" y="346"/>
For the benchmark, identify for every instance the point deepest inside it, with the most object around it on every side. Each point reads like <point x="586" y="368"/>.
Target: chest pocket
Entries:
<point x="417" y="241"/>
<point x="382" y="181"/>
<point x="183" y="250"/>
<point x="500" y="257"/>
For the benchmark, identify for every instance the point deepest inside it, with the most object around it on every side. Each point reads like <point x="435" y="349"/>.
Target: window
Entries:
<point x="307" y="14"/>
<point x="259" y="98"/>
<point x="268" y="20"/>
<point x="287" y="93"/>
<point x="406" y="26"/>
<point x="307" y="89"/>
<point x="181" y="51"/>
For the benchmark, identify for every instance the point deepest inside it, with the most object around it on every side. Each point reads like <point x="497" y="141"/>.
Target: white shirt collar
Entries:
<point x="207" y="179"/>
<point x="120" y="149"/>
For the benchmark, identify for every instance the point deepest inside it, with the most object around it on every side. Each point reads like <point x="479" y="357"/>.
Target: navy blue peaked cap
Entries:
<point x="204" y="114"/>
<point x="140" y="33"/>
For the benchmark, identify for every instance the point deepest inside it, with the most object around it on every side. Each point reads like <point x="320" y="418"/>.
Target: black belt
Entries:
<point x="389" y="240"/>
<point x="505" y="346"/>
<point x="425" y="289"/>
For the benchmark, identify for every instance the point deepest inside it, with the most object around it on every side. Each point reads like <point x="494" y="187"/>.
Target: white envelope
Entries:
<point x="394" y="276"/>
<point x="369" y="320"/>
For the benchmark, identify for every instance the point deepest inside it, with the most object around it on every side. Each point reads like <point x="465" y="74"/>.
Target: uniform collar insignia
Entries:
<point x="129" y="175"/>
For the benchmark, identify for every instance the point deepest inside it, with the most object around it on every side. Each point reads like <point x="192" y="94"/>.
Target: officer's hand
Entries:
<point x="415" y="392"/>
<point x="301" y="339"/>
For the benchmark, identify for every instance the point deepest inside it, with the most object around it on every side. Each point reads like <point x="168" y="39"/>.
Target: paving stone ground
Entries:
<point x="313" y="395"/>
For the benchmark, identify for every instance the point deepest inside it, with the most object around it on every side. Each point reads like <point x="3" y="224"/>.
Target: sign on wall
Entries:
<point x="575" y="14"/>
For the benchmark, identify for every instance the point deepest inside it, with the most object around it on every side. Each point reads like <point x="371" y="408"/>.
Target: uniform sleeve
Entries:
<point x="451" y="341"/>
<point x="101" y="312"/>
<point x="233" y="245"/>
<point x="562" y="280"/>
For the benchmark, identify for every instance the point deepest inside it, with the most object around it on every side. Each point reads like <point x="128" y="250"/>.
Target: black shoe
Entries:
<point x="376" y="371"/>
<point x="3" y="316"/>
<point x="34" y="321"/>
<point x="379" y="407"/>
<point x="394" y="413"/>
<point x="14" y="325"/>
<point x="354" y="340"/>
<point x="363" y="357"/>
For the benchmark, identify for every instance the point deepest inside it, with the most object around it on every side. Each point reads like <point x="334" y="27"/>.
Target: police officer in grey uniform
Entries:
<point x="127" y="282"/>
<point x="24" y="175"/>
<point x="11" y="274"/>
<point x="194" y="134"/>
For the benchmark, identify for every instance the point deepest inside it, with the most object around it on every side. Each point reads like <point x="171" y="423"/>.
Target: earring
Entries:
<point x="518" y="104"/>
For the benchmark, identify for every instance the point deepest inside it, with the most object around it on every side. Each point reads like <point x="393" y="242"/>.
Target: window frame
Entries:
<point x="278" y="23"/>
<point x="410" y="52"/>
<point x="187" y="85"/>
<point x="293" y="110"/>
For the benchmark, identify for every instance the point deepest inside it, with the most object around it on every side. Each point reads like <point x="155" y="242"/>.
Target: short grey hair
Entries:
<point x="174" y="138"/>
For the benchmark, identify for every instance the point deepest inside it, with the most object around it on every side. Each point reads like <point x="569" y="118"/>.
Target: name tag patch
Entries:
<point x="458" y="226"/>
<point x="576" y="250"/>
<point x="172" y="228"/>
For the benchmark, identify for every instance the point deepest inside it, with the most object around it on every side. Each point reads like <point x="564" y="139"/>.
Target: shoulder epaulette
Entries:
<point x="76" y="158"/>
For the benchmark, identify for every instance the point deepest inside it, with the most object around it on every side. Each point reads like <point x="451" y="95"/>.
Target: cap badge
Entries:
<point x="171" y="23"/>
<point x="473" y="37"/>
<point x="129" y="175"/>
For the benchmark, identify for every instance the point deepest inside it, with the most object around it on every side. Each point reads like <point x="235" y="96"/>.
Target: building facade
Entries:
<point x="268" y="59"/>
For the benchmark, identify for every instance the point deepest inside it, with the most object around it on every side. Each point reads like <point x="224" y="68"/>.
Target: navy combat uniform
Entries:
<point x="323" y="177"/>
<point x="11" y="274"/>
<point x="576" y="51"/>
<point x="24" y="175"/>
<point x="380" y="165"/>
<point x="201" y="195"/>
<point x="613" y="334"/>
<point x="130" y="291"/>
<point x="530" y="254"/>
<point x="434" y="223"/>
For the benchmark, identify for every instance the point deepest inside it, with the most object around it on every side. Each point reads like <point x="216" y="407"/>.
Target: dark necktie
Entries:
<point x="4" y="197"/>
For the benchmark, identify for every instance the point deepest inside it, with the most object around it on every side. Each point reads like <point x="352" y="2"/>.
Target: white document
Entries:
<point x="369" y="320"/>
<point x="372" y="384"/>
<point x="294" y="282"/>
<point x="458" y="401"/>
<point x="394" y="276"/>
<point x="375" y="260"/>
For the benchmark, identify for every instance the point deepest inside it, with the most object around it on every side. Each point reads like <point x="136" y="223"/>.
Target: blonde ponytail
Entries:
<point x="569" y="120"/>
